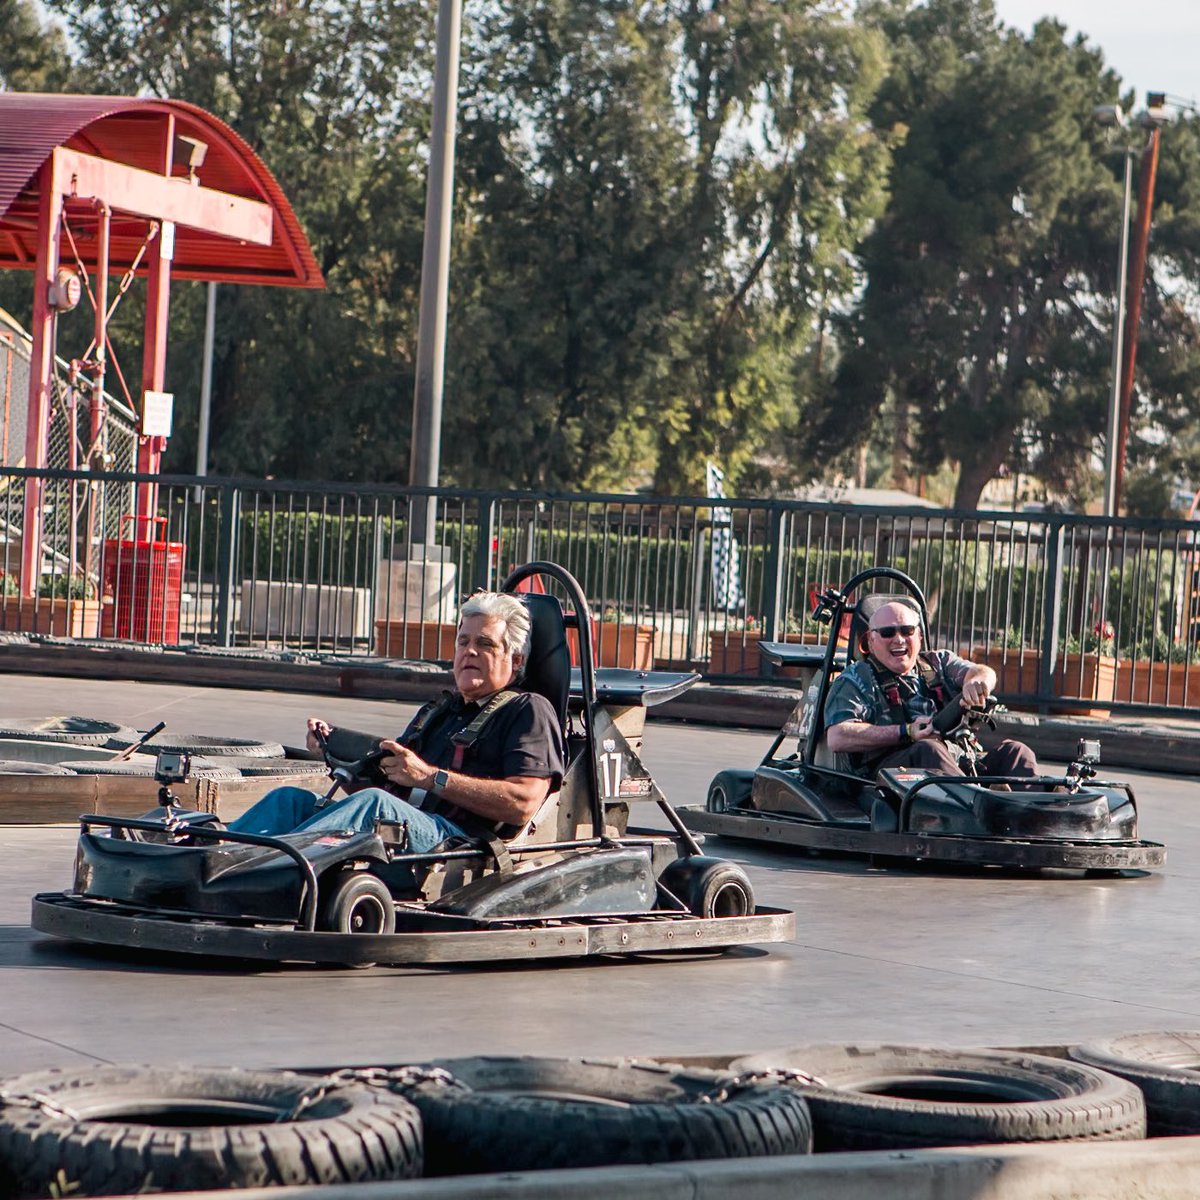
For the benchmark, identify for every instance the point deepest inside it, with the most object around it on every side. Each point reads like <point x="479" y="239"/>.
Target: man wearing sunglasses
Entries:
<point x="880" y="710"/>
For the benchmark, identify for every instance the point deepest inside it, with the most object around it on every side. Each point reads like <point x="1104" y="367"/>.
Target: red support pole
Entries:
<point x="1133" y="303"/>
<point x="41" y="373"/>
<point x="154" y="363"/>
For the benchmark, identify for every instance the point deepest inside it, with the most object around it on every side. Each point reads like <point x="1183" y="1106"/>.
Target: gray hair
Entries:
<point x="507" y="608"/>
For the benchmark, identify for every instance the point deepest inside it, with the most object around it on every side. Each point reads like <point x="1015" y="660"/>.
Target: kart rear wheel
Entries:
<point x="908" y="1097"/>
<point x="525" y="1114"/>
<point x="709" y="887"/>
<point x="357" y="902"/>
<point x="729" y="789"/>
<point x="104" y="1131"/>
<point x="1166" y="1066"/>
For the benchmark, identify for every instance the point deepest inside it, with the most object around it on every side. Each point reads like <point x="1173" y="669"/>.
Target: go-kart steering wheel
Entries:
<point x="353" y="758"/>
<point x="956" y="713"/>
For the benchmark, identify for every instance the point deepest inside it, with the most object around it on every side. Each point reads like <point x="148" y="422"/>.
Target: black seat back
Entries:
<point x="866" y="608"/>
<point x="548" y="668"/>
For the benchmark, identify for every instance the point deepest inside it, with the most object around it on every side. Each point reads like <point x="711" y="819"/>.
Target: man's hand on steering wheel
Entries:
<point x="318" y="730"/>
<point x="975" y="693"/>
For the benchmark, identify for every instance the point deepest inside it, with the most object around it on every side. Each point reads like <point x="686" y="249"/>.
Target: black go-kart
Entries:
<point x="577" y="881"/>
<point x="807" y="799"/>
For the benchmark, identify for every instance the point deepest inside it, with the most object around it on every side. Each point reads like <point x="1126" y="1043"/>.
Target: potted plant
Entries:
<point x="1084" y="673"/>
<point x="734" y="649"/>
<point x="64" y="606"/>
<point x="617" y="641"/>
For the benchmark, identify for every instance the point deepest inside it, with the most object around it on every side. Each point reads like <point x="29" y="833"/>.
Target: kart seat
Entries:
<point x="548" y="667"/>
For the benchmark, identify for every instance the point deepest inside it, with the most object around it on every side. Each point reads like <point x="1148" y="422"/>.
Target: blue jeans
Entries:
<point x="294" y="810"/>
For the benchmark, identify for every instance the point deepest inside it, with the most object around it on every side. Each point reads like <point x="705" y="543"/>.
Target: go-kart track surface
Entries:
<point x="952" y="958"/>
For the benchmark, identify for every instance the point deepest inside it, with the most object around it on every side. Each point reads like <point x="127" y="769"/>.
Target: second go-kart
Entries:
<point x="576" y="881"/>
<point x="807" y="799"/>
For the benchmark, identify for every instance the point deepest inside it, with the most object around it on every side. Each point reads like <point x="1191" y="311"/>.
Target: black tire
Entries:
<point x="529" y="1114"/>
<point x="137" y="1129"/>
<point x="356" y="902"/>
<point x="145" y="766"/>
<point x="254" y="767"/>
<point x="709" y="887"/>
<point x="729" y="789"/>
<point x="199" y="743"/>
<point x="80" y="731"/>
<point x="906" y="1097"/>
<point x="1166" y="1066"/>
<point x="14" y="766"/>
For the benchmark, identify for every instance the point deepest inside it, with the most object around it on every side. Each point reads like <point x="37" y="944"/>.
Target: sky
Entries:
<point x="1154" y="47"/>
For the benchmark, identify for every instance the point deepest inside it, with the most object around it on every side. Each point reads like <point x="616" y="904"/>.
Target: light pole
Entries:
<point x="1112" y="116"/>
<point x="424" y="460"/>
<point x="1129" y="288"/>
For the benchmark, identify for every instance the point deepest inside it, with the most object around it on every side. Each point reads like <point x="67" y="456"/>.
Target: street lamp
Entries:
<point x="1113" y="117"/>
<point x="1129" y="288"/>
<point x="424" y="460"/>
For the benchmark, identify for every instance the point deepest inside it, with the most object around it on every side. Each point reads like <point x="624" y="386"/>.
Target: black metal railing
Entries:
<point x="1066" y="608"/>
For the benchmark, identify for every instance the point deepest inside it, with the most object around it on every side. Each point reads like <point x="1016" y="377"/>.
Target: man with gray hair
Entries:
<point x="477" y="764"/>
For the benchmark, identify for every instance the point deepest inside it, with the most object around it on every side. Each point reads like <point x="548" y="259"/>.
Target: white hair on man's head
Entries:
<point x="506" y="608"/>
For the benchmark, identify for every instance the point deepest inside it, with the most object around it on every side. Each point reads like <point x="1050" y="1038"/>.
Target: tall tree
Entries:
<point x="984" y="314"/>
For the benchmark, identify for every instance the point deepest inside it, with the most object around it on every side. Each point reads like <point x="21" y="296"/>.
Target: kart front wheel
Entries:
<point x="729" y="789"/>
<point x="357" y="902"/>
<point x="709" y="887"/>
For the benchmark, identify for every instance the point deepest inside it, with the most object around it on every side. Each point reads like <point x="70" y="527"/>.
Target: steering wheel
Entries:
<point x="353" y="758"/>
<point x="956" y="713"/>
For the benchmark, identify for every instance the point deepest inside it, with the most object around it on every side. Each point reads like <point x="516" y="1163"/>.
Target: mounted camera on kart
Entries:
<point x="172" y="766"/>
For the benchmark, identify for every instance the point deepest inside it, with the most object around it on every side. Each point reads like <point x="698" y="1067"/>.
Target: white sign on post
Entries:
<point x="157" y="409"/>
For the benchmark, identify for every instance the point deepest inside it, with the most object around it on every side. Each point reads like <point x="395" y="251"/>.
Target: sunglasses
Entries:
<point x="890" y="631"/>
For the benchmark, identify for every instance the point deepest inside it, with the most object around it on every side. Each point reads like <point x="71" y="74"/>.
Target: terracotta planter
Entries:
<point x="618" y="644"/>
<point x="416" y="640"/>
<point x="1174" y="684"/>
<point x="1082" y="678"/>
<point x="58" y="617"/>
<point x="735" y="652"/>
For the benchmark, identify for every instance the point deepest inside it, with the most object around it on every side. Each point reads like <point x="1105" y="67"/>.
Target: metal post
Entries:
<point x="485" y="534"/>
<point x="773" y="574"/>
<point x="1114" y="397"/>
<point x="226" y="553"/>
<point x="210" y="321"/>
<point x="435" y="273"/>
<point x="1133" y="301"/>
<point x="1052" y="609"/>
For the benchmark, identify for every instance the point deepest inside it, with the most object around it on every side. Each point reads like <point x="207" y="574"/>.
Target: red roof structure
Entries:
<point x="145" y="133"/>
<point x="95" y="185"/>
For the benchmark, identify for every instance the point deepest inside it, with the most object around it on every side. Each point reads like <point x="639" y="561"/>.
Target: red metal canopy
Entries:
<point x="144" y="133"/>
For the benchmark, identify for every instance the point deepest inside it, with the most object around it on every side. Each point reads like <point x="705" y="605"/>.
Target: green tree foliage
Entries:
<point x="664" y="200"/>
<point x="33" y="53"/>
<point x="787" y="176"/>
<point x="981" y="319"/>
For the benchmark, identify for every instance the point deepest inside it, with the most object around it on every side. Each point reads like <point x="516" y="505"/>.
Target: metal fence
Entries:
<point x="1067" y="609"/>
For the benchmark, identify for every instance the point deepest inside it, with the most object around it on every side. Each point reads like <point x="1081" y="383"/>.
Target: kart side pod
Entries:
<point x="583" y="883"/>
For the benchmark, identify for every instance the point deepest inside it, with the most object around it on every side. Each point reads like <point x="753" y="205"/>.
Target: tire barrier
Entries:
<point x="105" y="1131"/>
<point x="1166" y="1066"/>
<point x="82" y="731"/>
<point x="202" y="743"/>
<point x="911" y="1097"/>
<point x="139" y="765"/>
<point x="13" y="766"/>
<point x="253" y="767"/>
<point x="526" y="1114"/>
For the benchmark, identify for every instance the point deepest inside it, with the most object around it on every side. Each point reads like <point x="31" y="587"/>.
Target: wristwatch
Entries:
<point x="440" y="780"/>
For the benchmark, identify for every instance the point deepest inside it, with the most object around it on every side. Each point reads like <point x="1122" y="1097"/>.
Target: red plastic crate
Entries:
<point x="145" y="579"/>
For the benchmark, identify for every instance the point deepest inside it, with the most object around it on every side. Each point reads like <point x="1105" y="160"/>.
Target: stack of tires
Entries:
<point x="108" y="1130"/>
